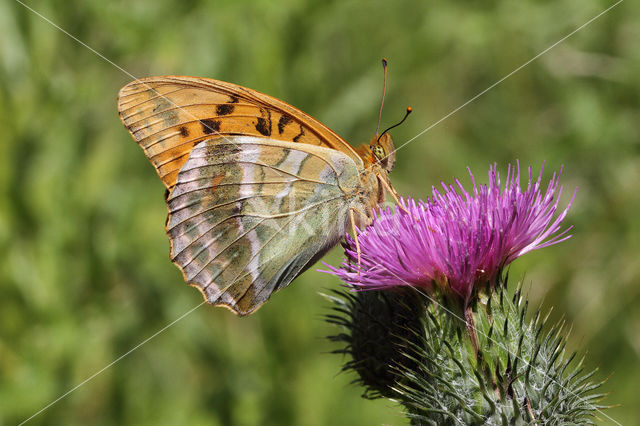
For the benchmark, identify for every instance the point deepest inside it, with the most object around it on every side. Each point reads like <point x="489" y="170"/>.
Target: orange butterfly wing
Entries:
<point x="169" y="115"/>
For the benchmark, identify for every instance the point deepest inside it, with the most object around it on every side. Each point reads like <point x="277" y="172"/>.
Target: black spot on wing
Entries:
<point x="261" y="126"/>
<point x="210" y="126"/>
<point x="224" y="109"/>
<point x="282" y="123"/>
<point x="301" y="134"/>
<point x="264" y="125"/>
<point x="184" y="132"/>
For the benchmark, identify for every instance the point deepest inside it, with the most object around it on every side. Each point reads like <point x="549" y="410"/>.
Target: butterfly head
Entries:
<point x="383" y="151"/>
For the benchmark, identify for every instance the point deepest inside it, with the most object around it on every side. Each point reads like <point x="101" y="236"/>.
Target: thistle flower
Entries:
<point x="456" y="242"/>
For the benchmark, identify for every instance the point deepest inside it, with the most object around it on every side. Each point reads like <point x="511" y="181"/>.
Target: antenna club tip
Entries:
<point x="409" y="110"/>
<point x="384" y="62"/>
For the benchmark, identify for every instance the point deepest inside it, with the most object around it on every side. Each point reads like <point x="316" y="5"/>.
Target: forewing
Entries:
<point x="169" y="115"/>
<point x="247" y="215"/>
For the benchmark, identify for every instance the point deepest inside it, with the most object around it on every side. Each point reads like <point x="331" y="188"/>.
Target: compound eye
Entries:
<point x="378" y="152"/>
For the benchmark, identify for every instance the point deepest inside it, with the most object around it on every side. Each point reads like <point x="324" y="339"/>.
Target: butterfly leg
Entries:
<point x="391" y="190"/>
<point x="355" y="235"/>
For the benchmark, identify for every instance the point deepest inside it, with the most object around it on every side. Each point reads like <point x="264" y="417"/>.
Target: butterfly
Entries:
<point x="257" y="191"/>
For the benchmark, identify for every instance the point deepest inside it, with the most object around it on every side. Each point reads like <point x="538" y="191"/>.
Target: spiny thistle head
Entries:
<point x="456" y="242"/>
<point x="376" y="326"/>
<point x="520" y="375"/>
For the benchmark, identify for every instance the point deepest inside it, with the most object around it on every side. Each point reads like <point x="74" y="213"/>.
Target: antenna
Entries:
<point x="406" y="114"/>
<point x="384" y="89"/>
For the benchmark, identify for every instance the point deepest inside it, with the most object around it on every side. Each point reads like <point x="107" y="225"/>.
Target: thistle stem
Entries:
<point x="471" y="328"/>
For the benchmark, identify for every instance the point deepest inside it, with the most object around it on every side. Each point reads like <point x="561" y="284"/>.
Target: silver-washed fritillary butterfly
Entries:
<point x="257" y="190"/>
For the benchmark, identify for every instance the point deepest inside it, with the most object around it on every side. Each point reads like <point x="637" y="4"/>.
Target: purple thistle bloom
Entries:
<point x="456" y="242"/>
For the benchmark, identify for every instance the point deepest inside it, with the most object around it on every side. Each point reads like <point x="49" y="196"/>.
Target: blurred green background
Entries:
<point x="85" y="274"/>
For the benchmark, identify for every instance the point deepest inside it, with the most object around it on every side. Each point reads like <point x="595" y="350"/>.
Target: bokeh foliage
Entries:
<point x="85" y="275"/>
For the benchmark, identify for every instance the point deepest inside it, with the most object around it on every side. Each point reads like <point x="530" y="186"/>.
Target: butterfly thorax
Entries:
<point x="378" y="157"/>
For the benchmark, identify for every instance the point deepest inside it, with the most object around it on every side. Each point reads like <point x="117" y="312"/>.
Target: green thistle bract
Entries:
<point x="520" y="375"/>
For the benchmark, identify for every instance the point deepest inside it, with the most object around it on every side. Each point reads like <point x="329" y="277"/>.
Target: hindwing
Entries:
<point x="247" y="215"/>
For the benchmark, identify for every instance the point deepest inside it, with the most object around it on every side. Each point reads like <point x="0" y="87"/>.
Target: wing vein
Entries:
<point x="220" y="252"/>
<point x="184" y="107"/>
<point x="276" y="169"/>
<point x="224" y="290"/>
<point x="137" y="92"/>
<point x="199" y="201"/>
